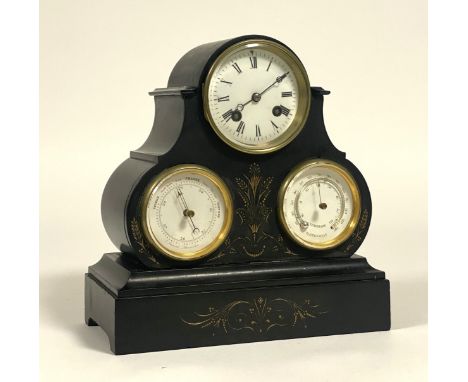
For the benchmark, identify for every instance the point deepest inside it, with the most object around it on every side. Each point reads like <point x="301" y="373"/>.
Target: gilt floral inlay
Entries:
<point x="254" y="191"/>
<point x="143" y="246"/>
<point x="258" y="315"/>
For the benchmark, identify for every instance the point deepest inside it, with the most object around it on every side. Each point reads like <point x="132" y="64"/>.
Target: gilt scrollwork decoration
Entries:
<point x="254" y="191"/>
<point x="258" y="315"/>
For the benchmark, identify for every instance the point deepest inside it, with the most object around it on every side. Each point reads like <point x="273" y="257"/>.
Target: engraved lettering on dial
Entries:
<point x="319" y="204"/>
<point x="187" y="213"/>
<point x="251" y="81"/>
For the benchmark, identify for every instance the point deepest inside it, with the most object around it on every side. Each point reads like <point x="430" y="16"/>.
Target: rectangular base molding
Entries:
<point x="142" y="316"/>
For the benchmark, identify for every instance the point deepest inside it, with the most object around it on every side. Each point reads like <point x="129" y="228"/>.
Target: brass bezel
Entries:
<point x="227" y="200"/>
<point x="349" y="229"/>
<point x="304" y="96"/>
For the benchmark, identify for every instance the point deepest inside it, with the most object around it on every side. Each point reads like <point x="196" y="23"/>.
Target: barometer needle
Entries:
<point x="187" y="211"/>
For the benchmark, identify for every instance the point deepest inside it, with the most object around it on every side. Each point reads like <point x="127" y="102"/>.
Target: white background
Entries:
<point x="98" y="60"/>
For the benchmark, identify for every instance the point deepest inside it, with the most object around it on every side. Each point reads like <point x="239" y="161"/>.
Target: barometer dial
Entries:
<point x="187" y="212"/>
<point x="257" y="96"/>
<point x="319" y="204"/>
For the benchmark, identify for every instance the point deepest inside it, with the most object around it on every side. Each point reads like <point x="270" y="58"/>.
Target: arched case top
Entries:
<point x="192" y="68"/>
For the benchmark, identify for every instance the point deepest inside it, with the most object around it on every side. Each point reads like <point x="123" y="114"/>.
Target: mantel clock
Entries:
<point x="237" y="220"/>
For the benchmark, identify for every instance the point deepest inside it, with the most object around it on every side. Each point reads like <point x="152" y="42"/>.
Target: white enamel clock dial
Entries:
<point x="257" y="96"/>
<point x="187" y="212"/>
<point x="319" y="204"/>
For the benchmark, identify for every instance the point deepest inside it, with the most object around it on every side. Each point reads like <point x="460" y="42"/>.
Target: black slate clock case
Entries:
<point x="259" y="284"/>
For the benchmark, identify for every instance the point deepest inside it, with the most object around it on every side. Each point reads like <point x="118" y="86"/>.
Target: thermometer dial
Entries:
<point x="319" y="204"/>
<point x="187" y="212"/>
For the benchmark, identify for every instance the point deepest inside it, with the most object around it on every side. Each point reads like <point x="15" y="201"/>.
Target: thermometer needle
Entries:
<point x="322" y="206"/>
<point x="187" y="211"/>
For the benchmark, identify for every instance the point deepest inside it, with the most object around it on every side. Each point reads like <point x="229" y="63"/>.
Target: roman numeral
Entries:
<point x="240" y="128"/>
<point x="253" y="62"/>
<point x="274" y="125"/>
<point x="284" y="110"/>
<point x="269" y="65"/>
<point x="227" y="115"/>
<point x="225" y="98"/>
<point x="235" y="66"/>
<point x="286" y="94"/>
<point x="257" y="131"/>
<point x="226" y="82"/>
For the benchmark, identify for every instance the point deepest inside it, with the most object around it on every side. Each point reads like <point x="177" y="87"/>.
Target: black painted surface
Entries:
<point x="139" y="314"/>
<point x="145" y="301"/>
<point x="125" y="277"/>
<point x="197" y="143"/>
<point x="181" y="134"/>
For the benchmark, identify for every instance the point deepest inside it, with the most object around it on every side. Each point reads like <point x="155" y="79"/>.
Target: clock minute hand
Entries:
<point x="277" y="81"/>
<point x="257" y="96"/>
